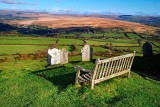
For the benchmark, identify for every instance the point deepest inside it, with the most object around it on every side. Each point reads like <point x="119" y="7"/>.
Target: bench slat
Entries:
<point x="121" y="65"/>
<point x="80" y="79"/>
<point x="107" y="71"/>
<point x="124" y="61"/>
<point x="104" y="70"/>
<point x="86" y="78"/>
<point x="116" y="66"/>
<point x="110" y="68"/>
<point x="101" y="71"/>
<point x="110" y="76"/>
<point x="115" y="58"/>
<point x="132" y="58"/>
<point x="128" y="63"/>
<point x="97" y="71"/>
<point x="89" y="75"/>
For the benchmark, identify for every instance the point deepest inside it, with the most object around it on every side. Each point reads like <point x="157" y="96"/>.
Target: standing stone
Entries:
<point x="53" y="56"/>
<point x="86" y="52"/>
<point x="64" y="56"/>
<point x="147" y="49"/>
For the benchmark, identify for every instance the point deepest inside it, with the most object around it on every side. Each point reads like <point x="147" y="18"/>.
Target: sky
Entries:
<point x="132" y="7"/>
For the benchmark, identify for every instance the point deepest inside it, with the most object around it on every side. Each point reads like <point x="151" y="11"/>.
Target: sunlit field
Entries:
<point x="30" y="83"/>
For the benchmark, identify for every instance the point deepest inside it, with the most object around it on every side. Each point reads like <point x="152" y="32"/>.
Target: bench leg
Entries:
<point x="77" y="75"/>
<point x="92" y="85"/>
<point x="129" y="74"/>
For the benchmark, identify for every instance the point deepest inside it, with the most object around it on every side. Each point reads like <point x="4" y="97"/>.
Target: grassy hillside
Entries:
<point x="30" y="83"/>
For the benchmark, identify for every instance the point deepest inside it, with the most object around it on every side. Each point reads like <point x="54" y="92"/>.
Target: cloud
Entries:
<point x="15" y="2"/>
<point x="64" y="11"/>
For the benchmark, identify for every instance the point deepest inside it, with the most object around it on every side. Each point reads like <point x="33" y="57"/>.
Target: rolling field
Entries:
<point x="23" y="49"/>
<point x="65" y="21"/>
<point x="25" y="45"/>
<point x="30" y="83"/>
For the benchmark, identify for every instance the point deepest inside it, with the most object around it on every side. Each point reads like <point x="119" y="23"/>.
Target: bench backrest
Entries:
<point x="112" y="66"/>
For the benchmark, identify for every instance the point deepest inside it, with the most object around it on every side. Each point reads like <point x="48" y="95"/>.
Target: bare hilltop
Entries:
<point x="66" y="21"/>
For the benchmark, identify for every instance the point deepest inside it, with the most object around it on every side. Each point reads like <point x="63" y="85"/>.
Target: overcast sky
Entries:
<point x="147" y="7"/>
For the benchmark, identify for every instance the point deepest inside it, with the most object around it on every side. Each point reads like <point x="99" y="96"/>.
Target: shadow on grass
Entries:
<point x="1" y="71"/>
<point x="147" y="66"/>
<point x="115" y="100"/>
<point x="62" y="81"/>
<point x="77" y="62"/>
<point x="60" y="76"/>
<point x="63" y="76"/>
<point x="74" y="62"/>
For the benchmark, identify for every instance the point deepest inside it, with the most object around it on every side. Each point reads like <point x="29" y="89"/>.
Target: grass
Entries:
<point x="134" y="36"/>
<point x="54" y="86"/>
<point x="30" y="83"/>
<point x="119" y="42"/>
<point x="108" y="34"/>
<point x="46" y="41"/>
<point x="25" y="45"/>
<point x="26" y="40"/>
<point x="23" y="49"/>
<point x="111" y="34"/>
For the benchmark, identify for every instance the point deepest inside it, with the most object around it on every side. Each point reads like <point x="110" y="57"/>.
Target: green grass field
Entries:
<point x="30" y="83"/>
<point x="23" y="49"/>
<point x="111" y="34"/>
<point x="134" y="36"/>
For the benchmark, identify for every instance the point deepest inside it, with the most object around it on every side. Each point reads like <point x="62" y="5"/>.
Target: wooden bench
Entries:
<point x="105" y="69"/>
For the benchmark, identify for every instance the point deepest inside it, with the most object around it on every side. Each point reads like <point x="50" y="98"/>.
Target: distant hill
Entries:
<point x="28" y="14"/>
<point x="25" y="18"/>
<point x="147" y="20"/>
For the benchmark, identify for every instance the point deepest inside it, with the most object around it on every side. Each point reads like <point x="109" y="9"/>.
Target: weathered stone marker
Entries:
<point x="56" y="56"/>
<point x="86" y="52"/>
<point x="147" y="49"/>
<point x="63" y="56"/>
<point x="53" y="56"/>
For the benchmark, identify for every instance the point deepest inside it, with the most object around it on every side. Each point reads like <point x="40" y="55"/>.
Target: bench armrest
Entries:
<point x="82" y="69"/>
